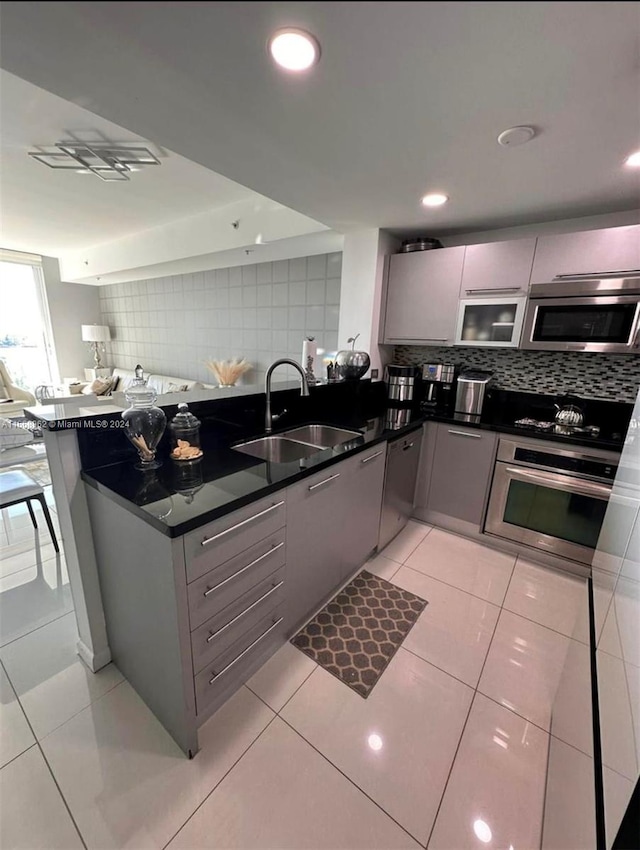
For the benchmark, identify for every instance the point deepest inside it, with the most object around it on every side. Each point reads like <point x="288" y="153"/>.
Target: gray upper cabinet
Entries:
<point x="495" y="269"/>
<point x="461" y="471"/>
<point x="422" y="296"/>
<point x="592" y="251"/>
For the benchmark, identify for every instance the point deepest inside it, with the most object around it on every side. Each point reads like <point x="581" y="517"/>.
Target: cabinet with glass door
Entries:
<point x="495" y="322"/>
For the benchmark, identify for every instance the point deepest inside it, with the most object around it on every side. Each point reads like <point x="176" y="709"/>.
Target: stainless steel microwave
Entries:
<point x="599" y="312"/>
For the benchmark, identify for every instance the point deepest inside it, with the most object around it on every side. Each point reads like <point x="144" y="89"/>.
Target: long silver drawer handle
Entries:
<point x="371" y="457"/>
<point x="208" y="540"/>
<point x="407" y="447"/>
<point x="597" y="275"/>
<point x="495" y="289"/>
<point x="326" y="481"/>
<point x="239" y="572"/>
<point x="434" y="338"/>
<point x="246" y="611"/>
<point x="465" y="434"/>
<point x="244" y="651"/>
<point x="566" y="485"/>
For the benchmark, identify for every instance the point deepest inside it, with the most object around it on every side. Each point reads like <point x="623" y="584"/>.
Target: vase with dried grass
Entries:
<point x="228" y="371"/>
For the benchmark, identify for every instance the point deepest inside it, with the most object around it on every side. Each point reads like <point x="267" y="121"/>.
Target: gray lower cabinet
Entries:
<point x="191" y="618"/>
<point x="332" y="526"/>
<point x="455" y="473"/>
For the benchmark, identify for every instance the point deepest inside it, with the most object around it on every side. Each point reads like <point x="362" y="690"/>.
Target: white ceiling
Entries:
<point x="52" y="212"/>
<point x="407" y="97"/>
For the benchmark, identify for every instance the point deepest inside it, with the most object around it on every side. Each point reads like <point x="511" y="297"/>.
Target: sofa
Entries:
<point x="162" y="384"/>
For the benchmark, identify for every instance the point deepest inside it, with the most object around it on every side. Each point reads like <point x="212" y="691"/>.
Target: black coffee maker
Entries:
<point x="438" y="388"/>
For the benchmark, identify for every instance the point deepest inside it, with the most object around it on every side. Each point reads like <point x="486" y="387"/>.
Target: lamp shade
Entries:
<point x="96" y="333"/>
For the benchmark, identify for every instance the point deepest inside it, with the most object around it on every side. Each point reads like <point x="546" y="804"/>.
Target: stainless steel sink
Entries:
<point x="277" y="449"/>
<point x="298" y="443"/>
<point x="323" y="436"/>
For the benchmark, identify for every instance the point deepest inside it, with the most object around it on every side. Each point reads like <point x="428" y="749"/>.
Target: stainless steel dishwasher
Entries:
<point x="399" y="485"/>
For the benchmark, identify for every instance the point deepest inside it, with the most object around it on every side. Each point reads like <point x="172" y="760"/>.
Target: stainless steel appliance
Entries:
<point x="401" y="383"/>
<point x="438" y="380"/>
<point x="551" y="498"/>
<point x="598" y="312"/>
<point x="470" y="393"/>
<point x="399" y="485"/>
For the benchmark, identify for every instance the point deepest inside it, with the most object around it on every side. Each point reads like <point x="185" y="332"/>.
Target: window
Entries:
<point x="26" y="339"/>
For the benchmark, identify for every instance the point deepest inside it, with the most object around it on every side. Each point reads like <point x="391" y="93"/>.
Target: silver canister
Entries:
<point x="470" y="393"/>
<point x="401" y="383"/>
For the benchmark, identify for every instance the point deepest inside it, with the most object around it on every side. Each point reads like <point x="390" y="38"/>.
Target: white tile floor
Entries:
<point x="448" y="751"/>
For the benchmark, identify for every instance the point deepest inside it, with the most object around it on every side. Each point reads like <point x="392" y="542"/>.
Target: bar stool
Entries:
<point x="18" y="486"/>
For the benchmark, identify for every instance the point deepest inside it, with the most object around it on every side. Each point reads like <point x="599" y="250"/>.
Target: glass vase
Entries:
<point x="145" y="423"/>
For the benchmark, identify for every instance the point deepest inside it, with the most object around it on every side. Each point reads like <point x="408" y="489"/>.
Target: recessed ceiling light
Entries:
<point x="633" y="161"/>
<point x="294" y="49"/>
<point x="375" y="742"/>
<point x="434" y="199"/>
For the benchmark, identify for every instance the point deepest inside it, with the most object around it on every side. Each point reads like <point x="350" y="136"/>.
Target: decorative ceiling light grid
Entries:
<point x="109" y="162"/>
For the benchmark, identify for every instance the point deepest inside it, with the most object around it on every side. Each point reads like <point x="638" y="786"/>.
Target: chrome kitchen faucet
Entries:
<point x="285" y="361"/>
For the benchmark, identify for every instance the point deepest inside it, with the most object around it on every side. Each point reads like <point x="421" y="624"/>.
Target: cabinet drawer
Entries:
<point x="219" y="541"/>
<point x="218" y="634"/>
<point x="232" y="668"/>
<point x="220" y="587"/>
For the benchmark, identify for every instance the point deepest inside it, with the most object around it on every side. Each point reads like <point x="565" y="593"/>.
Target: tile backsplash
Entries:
<point x="172" y="325"/>
<point x="606" y="376"/>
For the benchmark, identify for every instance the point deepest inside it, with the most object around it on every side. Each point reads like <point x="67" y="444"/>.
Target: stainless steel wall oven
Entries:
<point x="550" y="498"/>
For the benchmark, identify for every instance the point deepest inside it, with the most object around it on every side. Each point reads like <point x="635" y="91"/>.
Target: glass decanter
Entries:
<point x="185" y="435"/>
<point x="145" y="423"/>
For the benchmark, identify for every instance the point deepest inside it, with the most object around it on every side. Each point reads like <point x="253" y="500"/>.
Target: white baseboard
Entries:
<point x="94" y="661"/>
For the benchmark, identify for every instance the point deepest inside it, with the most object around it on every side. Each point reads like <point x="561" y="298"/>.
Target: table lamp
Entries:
<point x="96" y="336"/>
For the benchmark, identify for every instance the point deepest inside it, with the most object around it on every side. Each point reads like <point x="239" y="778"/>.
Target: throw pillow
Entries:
<point x="12" y="436"/>
<point x="177" y="388"/>
<point x="101" y="386"/>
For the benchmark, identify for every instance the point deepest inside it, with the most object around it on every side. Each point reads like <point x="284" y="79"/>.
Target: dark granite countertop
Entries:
<point x="614" y="445"/>
<point x="179" y="497"/>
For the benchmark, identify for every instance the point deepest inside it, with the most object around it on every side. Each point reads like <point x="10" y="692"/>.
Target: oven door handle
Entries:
<point x="562" y="482"/>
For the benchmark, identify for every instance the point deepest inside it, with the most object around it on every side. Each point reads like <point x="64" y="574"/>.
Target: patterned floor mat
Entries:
<point x="356" y="635"/>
